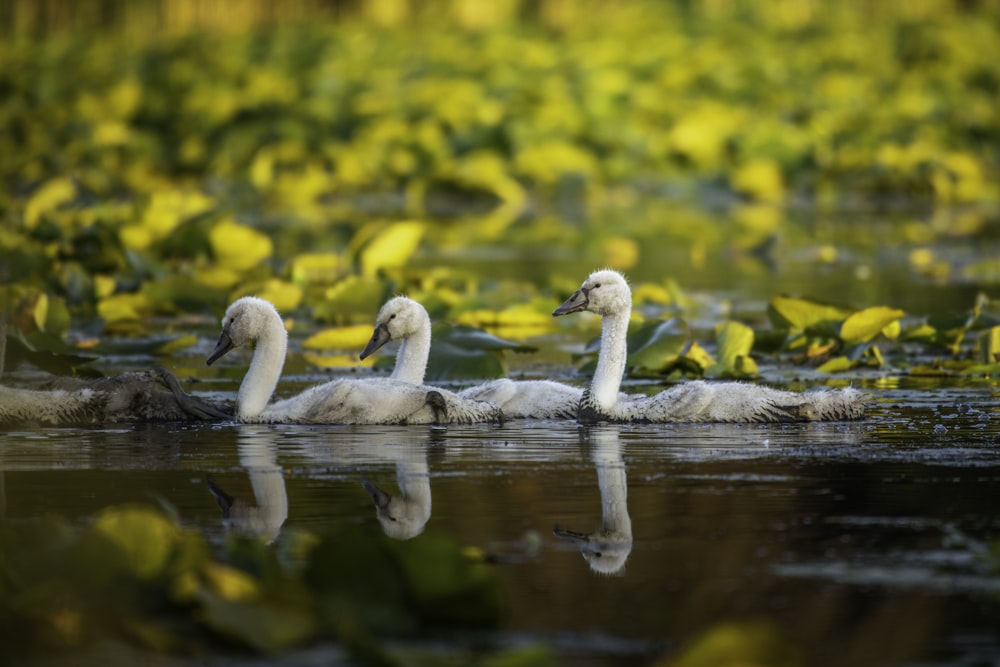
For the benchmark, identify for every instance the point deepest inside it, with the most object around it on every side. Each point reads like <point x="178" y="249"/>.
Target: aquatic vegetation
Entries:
<point x="314" y="161"/>
<point x="135" y="574"/>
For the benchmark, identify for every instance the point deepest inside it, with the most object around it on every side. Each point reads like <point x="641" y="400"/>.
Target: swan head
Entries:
<point x="605" y="554"/>
<point x="400" y="519"/>
<point x="398" y="319"/>
<point x="604" y="292"/>
<point x="246" y="321"/>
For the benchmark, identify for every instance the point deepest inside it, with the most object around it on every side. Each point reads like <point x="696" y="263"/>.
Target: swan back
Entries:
<point x="128" y="397"/>
<point x="528" y="399"/>
<point x="403" y="319"/>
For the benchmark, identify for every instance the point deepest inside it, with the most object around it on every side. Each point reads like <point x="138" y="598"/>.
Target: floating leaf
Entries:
<point x="835" y="365"/>
<point x="316" y="268"/>
<point x="48" y="197"/>
<point x="121" y="307"/>
<point x="656" y="345"/>
<point x="802" y="314"/>
<point x="284" y="295"/>
<point x="145" y="536"/>
<point x="392" y="247"/>
<point x="735" y="342"/>
<point x="989" y="345"/>
<point x="230" y="583"/>
<point x="341" y="360"/>
<point x="353" y="299"/>
<point x="175" y="345"/>
<point x="864" y="325"/>
<point x="265" y="627"/>
<point x="239" y="247"/>
<point x="339" y="338"/>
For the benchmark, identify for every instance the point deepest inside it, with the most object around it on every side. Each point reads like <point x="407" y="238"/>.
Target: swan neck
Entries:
<point x="411" y="358"/>
<point x="611" y="360"/>
<point x="265" y="369"/>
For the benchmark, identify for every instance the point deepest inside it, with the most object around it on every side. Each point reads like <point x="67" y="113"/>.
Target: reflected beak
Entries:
<point x="224" y="345"/>
<point x="579" y="301"/>
<point x="379" y="497"/>
<point x="379" y="338"/>
<point x="570" y="535"/>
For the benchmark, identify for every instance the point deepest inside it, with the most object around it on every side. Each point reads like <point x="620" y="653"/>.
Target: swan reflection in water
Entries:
<point x="258" y="454"/>
<point x="608" y="547"/>
<point x="403" y="516"/>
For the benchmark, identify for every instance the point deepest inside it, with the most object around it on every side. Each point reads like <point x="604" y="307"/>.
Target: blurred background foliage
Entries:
<point x="160" y="157"/>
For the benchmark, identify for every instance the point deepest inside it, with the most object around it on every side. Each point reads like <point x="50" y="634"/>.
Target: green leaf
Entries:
<point x="446" y="588"/>
<point x="862" y="326"/>
<point x="656" y="345"/>
<point x="265" y="627"/>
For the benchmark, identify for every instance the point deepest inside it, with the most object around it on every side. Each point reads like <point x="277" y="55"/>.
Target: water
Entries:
<point x="862" y="543"/>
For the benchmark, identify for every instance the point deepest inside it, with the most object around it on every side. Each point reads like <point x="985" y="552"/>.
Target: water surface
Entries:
<point x="861" y="542"/>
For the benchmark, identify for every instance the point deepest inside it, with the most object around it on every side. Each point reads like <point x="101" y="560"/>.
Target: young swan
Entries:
<point x="405" y="320"/>
<point x="343" y="401"/>
<point x="130" y="397"/>
<point x="607" y="294"/>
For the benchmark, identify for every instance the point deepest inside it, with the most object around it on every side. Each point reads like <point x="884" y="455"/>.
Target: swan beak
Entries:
<point x="378" y="496"/>
<point x="379" y="338"/>
<point x="579" y="301"/>
<point x="224" y="345"/>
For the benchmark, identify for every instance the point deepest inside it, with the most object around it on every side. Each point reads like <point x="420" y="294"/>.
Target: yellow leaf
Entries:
<point x="230" y="583"/>
<point x="146" y="537"/>
<point x="238" y="247"/>
<point x="799" y="314"/>
<point x="835" y="365"/>
<point x="316" y="268"/>
<point x="337" y="360"/>
<point x="620" y="253"/>
<point x="339" y="338"/>
<point x="216" y="276"/>
<point x="47" y="198"/>
<point x="734" y="341"/>
<point x="104" y="286"/>
<point x="172" y="346"/>
<point x="392" y="247"/>
<point x="41" y="310"/>
<point x="864" y="325"/>
<point x="284" y="296"/>
<point x="760" y="179"/>
<point x="122" y="307"/>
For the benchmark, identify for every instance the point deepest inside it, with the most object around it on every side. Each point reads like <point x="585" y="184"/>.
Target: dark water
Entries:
<point x="862" y="543"/>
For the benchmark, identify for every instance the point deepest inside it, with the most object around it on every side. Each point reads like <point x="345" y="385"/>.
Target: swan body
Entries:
<point x="343" y="401"/>
<point x="403" y="319"/>
<point x="129" y="397"/>
<point x="607" y="294"/>
<point x="528" y="399"/>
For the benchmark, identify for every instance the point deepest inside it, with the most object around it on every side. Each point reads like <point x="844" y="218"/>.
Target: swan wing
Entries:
<point x="528" y="399"/>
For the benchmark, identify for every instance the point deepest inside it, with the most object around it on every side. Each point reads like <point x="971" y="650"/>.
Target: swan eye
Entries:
<point x="597" y="285"/>
<point x="393" y="316"/>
